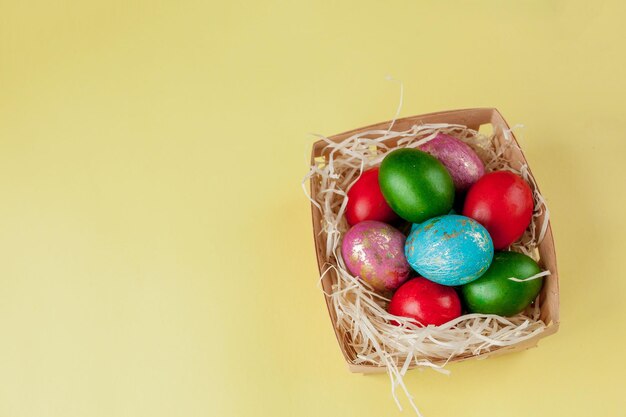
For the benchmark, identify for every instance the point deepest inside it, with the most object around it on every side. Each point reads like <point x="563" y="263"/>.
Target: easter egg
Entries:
<point x="502" y="202"/>
<point x="460" y="160"/>
<point x="374" y="252"/>
<point x="366" y="201"/>
<point x="495" y="293"/>
<point x="416" y="185"/>
<point x="449" y="250"/>
<point x="425" y="302"/>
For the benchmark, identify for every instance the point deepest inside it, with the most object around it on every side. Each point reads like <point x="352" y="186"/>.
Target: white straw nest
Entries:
<point x="362" y="320"/>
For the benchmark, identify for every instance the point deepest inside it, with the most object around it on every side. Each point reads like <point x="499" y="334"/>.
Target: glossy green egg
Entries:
<point x="495" y="293"/>
<point x="416" y="185"/>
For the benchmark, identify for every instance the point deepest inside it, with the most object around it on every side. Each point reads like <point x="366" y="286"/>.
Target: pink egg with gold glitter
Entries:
<point x="374" y="252"/>
<point x="464" y="166"/>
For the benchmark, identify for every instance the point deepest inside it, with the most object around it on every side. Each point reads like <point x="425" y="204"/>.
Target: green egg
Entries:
<point x="495" y="293"/>
<point x="416" y="185"/>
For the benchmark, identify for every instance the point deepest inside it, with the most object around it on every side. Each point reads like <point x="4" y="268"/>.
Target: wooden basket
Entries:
<point x="473" y="119"/>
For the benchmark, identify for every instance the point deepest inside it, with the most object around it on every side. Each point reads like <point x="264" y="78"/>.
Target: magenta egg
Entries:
<point x="460" y="160"/>
<point x="374" y="252"/>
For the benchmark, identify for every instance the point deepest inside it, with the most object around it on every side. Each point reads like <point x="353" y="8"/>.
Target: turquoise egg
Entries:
<point x="449" y="250"/>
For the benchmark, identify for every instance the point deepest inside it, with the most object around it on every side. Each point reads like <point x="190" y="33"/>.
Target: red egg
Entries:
<point x="502" y="202"/>
<point x="366" y="201"/>
<point x="426" y="302"/>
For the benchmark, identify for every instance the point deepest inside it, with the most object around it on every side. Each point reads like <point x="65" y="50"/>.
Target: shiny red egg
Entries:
<point x="425" y="302"/>
<point x="366" y="201"/>
<point x="502" y="202"/>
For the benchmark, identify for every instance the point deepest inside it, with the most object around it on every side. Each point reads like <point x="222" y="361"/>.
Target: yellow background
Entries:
<point x="156" y="254"/>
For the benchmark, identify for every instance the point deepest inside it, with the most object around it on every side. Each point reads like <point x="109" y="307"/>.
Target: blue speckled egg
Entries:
<point x="449" y="250"/>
